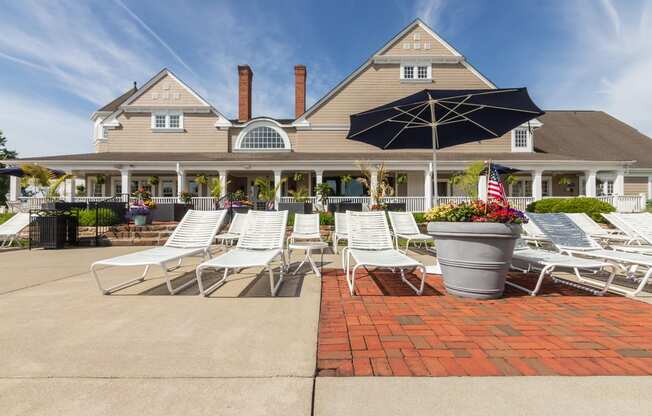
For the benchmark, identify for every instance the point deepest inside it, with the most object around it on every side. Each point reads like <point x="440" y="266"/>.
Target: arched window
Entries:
<point x="262" y="135"/>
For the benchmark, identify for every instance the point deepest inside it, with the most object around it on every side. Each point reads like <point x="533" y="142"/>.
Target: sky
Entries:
<point x="61" y="60"/>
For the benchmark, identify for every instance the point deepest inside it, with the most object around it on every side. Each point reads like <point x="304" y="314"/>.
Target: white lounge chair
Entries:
<point x="192" y="237"/>
<point x="233" y="233"/>
<point x="341" y="229"/>
<point x="569" y="238"/>
<point x="547" y="261"/>
<point x="533" y="234"/>
<point x="625" y="229"/>
<point x="592" y="228"/>
<point x="10" y="229"/>
<point x="405" y="226"/>
<point x="260" y="242"/>
<point x="370" y="244"/>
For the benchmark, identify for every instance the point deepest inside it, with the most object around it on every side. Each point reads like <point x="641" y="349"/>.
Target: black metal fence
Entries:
<point x="53" y="229"/>
<point x="109" y="212"/>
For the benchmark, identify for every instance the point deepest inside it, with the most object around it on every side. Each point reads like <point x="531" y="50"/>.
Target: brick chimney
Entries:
<point x="245" y="76"/>
<point x="300" y="74"/>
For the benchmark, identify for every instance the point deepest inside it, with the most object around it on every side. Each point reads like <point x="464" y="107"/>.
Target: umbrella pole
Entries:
<point x="435" y="145"/>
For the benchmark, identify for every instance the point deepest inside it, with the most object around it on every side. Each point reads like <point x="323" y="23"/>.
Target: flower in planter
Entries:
<point x="186" y="197"/>
<point x="476" y="211"/>
<point x="137" y="208"/>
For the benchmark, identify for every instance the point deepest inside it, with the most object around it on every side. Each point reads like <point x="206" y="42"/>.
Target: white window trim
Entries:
<point x="262" y="123"/>
<point x="167" y="128"/>
<point x="415" y="71"/>
<point x="527" y="149"/>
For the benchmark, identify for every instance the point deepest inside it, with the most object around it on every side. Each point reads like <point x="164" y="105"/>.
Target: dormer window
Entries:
<point x="263" y="135"/>
<point x="521" y="140"/>
<point x="416" y="72"/>
<point x="167" y="121"/>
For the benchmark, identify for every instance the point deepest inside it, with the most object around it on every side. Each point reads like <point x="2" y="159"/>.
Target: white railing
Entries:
<point x="520" y="202"/>
<point x="166" y="199"/>
<point x="626" y="203"/>
<point x="442" y="200"/>
<point x="412" y="203"/>
<point x="286" y="199"/>
<point x="204" y="203"/>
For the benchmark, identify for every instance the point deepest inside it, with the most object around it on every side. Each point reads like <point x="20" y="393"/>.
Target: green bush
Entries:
<point x="4" y="217"/>
<point x="87" y="217"/>
<point x="420" y="217"/>
<point x="591" y="206"/>
<point x="648" y="205"/>
<point x="325" y="218"/>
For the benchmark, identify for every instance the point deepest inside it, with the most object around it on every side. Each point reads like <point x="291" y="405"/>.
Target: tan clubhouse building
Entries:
<point x="165" y="129"/>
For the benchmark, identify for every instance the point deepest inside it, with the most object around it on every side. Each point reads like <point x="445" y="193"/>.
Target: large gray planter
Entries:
<point x="474" y="256"/>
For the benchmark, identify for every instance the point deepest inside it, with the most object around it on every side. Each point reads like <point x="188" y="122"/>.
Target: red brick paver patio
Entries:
<point x="389" y="331"/>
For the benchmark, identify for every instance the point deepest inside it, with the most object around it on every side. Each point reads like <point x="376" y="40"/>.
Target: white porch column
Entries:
<point x="591" y="176"/>
<point x="277" y="180"/>
<point x="69" y="189"/>
<point x="537" y="185"/>
<point x="374" y="184"/>
<point x="181" y="180"/>
<point x="125" y="181"/>
<point x="482" y="188"/>
<point x="619" y="183"/>
<point x="14" y="188"/>
<point x="427" y="188"/>
<point x="223" y="182"/>
<point x="319" y="177"/>
<point x="649" y="187"/>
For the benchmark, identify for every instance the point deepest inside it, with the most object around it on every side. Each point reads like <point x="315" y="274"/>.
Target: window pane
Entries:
<point x="408" y="72"/>
<point x="262" y="138"/>
<point x="193" y="188"/>
<point x="168" y="188"/>
<point x="422" y="72"/>
<point x="520" y="138"/>
<point x="160" y="122"/>
<point x="174" y="121"/>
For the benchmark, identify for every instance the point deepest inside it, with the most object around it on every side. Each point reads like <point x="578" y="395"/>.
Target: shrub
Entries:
<point x="648" y="205"/>
<point x="420" y="217"/>
<point x="5" y="216"/>
<point x="87" y="217"/>
<point x="591" y="206"/>
<point x="325" y="218"/>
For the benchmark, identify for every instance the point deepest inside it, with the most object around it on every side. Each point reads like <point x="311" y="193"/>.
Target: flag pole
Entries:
<point x="487" y="185"/>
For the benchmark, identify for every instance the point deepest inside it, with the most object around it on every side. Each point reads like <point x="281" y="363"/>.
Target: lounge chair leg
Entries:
<point x="351" y="282"/>
<point x="407" y="282"/>
<point x="214" y="287"/>
<point x="274" y="287"/>
<point x="119" y="285"/>
<point x="642" y="284"/>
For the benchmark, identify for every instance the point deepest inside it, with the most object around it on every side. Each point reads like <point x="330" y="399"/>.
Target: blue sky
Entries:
<point x="62" y="60"/>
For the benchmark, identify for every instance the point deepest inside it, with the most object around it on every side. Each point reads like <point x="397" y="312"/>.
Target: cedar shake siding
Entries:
<point x="136" y="135"/>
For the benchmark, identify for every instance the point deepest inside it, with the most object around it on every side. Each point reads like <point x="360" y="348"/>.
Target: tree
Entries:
<point x="4" y="154"/>
<point x="468" y="180"/>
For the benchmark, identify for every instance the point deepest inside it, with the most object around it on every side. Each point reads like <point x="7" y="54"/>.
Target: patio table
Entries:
<point x="308" y="247"/>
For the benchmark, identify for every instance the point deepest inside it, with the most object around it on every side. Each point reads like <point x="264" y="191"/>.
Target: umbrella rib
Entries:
<point x="471" y="121"/>
<point x="454" y="108"/>
<point x="490" y="106"/>
<point x="391" y="119"/>
<point x="404" y="127"/>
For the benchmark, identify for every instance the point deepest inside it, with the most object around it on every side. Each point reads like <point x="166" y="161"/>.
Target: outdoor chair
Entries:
<point x="10" y="229"/>
<point x="371" y="245"/>
<point x="341" y="229"/>
<point x="233" y="233"/>
<point x="260" y="243"/>
<point x="192" y="237"/>
<point x="624" y="228"/>
<point x="569" y="238"/>
<point x="546" y="262"/>
<point x="405" y="226"/>
<point x="594" y="229"/>
<point x="306" y="236"/>
<point x="533" y="234"/>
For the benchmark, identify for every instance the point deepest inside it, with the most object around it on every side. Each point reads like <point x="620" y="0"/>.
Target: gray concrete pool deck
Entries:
<point x="66" y="349"/>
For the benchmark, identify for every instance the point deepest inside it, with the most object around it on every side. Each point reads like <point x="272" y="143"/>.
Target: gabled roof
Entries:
<point x="115" y="104"/>
<point x="416" y="23"/>
<point x="222" y="122"/>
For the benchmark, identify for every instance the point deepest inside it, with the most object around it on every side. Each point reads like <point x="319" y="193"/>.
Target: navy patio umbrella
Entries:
<point x="435" y="119"/>
<point x="16" y="171"/>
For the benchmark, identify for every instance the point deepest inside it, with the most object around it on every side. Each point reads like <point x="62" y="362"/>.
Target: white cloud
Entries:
<point x="34" y="128"/>
<point x="606" y="64"/>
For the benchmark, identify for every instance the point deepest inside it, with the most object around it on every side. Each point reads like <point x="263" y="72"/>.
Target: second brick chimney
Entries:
<point x="300" y="74"/>
<point x="245" y="77"/>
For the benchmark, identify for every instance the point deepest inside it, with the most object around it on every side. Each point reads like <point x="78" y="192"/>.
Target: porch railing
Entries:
<point x="622" y="203"/>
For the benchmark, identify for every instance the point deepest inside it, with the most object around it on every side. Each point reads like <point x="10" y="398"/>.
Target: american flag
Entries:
<point x="495" y="188"/>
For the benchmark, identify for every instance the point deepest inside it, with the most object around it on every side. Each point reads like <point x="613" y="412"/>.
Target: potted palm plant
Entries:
<point x="323" y="191"/>
<point x="267" y="192"/>
<point x="300" y="203"/>
<point x="475" y="242"/>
